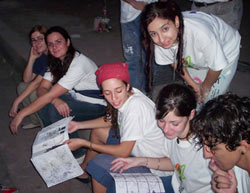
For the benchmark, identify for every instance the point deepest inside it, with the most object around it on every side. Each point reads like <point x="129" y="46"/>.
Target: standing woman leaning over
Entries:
<point x="69" y="87"/>
<point x="202" y="48"/>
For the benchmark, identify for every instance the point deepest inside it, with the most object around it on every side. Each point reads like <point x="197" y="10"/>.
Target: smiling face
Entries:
<point x="163" y="32"/>
<point x="223" y="158"/>
<point x="115" y="91"/>
<point x="57" y="45"/>
<point x="175" y="126"/>
<point x="38" y="42"/>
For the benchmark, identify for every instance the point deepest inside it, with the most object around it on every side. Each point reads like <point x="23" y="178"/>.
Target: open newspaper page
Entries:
<point x="53" y="160"/>
<point x="138" y="183"/>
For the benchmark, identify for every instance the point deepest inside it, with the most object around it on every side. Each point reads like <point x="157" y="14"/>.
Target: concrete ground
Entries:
<point x="16" y="19"/>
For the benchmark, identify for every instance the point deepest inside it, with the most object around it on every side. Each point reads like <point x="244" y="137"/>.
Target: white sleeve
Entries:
<point x="73" y="76"/>
<point x="243" y="180"/>
<point x="133" y="122"/>
<point x="48" y="76"/>
<point x="214" y="55"/>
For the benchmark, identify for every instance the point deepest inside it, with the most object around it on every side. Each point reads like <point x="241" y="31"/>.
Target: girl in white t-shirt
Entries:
<point x="175" y="108"/>
<point x="202" y="48"/>
<point x="129" y="127"/>
<point x="69" y="86"/>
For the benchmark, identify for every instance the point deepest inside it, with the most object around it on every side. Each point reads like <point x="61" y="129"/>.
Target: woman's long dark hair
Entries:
<point x="164" y="10"/>
<point x="57" y="67"/>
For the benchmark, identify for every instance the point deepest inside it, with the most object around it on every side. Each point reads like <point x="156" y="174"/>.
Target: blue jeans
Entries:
<point x="134" y="52"/>
<point x="81" y="111"/>
<point x="99" y="169"/>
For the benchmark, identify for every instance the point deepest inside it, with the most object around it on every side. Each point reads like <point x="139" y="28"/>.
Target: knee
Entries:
<point x="53" y="114"/>
<point x="97" y="187"/>
<point x="99" y="135"/>
<point x="21" y="87"/>
<point x="49" y="114"/>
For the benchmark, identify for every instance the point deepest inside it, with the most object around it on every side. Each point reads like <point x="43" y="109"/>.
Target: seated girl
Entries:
<point x="69" y="87"/>
<point x="128" y="128"/>
<point x="33" y="75"/>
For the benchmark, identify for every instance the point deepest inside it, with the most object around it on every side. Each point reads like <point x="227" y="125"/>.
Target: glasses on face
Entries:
<point x="38" y="40"/>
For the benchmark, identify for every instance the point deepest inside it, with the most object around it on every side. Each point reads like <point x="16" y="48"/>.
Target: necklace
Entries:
<point x="180" y="138"/>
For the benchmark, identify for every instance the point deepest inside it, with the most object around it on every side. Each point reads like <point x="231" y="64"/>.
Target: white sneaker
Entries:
<point x="31" y="126"/>
<point x="80" y="159"/>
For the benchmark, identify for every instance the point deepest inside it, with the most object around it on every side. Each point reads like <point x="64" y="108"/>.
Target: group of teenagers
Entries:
<point x="195" y="136"/>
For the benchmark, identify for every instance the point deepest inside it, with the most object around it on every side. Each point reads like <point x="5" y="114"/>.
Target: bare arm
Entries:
<point x="210" y="79"/>
<point x="139" y="5"/>
<point x="61" y="106"/>
<point x="124" y="149"/>
<point x="203" y="89"/>
<point x="31" y="88"/>
<point x="44" y="87"/>
<point x="90" y="124"/>
<point x="163" y="164"/>
<point x="39" y="103"/>
<point x="28" y="74"/>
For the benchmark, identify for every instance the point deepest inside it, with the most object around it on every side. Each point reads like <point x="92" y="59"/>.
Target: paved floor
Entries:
<point x="16" y="19"/>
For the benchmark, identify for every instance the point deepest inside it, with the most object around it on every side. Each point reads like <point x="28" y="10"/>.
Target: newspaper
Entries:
<point x="52" y="159"/>
<point x="138" y="183"/>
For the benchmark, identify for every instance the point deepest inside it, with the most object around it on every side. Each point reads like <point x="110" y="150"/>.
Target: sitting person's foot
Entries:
<point x="80" y="159"/>
<point x="4" y="189"/>
<point x="84" y="178"/>
<point x="31" y="125"/>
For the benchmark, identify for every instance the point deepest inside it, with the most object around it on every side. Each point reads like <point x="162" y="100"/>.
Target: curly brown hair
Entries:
<point x="225" y="119"/>
<point x="112" y="114"/>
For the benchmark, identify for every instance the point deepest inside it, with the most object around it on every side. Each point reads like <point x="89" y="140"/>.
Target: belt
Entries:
<point x="199" y="4"/>
<point x="91" y="93"/>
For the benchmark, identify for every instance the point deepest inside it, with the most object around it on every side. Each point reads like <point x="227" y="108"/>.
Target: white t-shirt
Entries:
<point x="209" y="1"/>
<point x="243" y="180"/>
<point x="209" y="43"/>
<point x="136" y="119"/>
<point x="80" y="76"/>
<point x="129" y="13"/>
<point x="191" y="174"/>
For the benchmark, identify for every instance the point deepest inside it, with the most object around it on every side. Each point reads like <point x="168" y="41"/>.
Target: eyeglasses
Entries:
<point x="38" y="40"/>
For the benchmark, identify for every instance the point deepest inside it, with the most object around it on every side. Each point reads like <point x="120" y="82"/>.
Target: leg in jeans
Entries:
<point x="134" y="53"/>
<point x="81" y="111"/>
<point x="230" y="12"/>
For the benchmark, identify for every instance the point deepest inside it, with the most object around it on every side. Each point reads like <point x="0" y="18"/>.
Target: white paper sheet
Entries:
<point x="138" y="183"/>
<point x="53" y="160"/>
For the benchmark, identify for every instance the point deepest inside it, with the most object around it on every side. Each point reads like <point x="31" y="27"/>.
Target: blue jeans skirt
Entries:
<point x="99" y="168"/>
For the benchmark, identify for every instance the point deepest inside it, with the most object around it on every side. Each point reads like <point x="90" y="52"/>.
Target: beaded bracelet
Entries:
<point x="90" y="146"/>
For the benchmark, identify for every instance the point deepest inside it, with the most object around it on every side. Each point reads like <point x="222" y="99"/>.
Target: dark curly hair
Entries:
<point x="57" y="67"/>
<point x="112" y="115"/>
<point x="165" y="10"/>
<point x="224" y="119"/>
